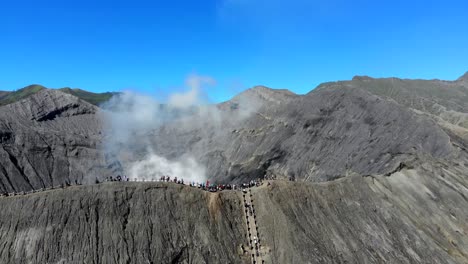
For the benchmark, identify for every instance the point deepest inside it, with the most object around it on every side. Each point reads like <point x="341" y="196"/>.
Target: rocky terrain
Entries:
<point x="122" y="223"/>
<point x="411" y="216"/>
<point x="364" y="126"/>
<point x="9" y="97"/>
<point x="49" y="139"/>
<point x="337" y="129"/>
<point x="380" y="169"/>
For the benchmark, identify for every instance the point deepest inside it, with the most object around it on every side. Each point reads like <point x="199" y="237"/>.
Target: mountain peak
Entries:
<point x="265" y="94"/>
<point x="93" y="98"/>
<point x="90" y="97"/>
<point x="263" y="90"/>
<point x="20" y="94"/>
<point x="47" y="104"/>
<point x="36" y="87"/>
<point x="362" y="78"/>
<point x="464" y="77"/>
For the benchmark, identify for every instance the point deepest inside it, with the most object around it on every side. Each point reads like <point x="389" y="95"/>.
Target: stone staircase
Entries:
<point x="257" y="250"/>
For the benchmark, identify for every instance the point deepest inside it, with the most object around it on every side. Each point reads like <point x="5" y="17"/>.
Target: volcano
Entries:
<point x="365" y="170"/>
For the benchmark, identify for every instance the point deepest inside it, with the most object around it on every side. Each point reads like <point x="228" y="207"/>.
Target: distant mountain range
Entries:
<point x="7" y="97"/>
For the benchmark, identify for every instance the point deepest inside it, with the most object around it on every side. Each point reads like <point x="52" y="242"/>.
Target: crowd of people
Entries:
<point x="206" y="186"/>
<point x="118" y="178"/>
<point x="212" y="187"/>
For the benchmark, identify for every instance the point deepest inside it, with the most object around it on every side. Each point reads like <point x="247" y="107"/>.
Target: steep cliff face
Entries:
<point x="381" y="166"/>
<point x="364" y="126"/>
<point x="123" y="223"/>
<point x="463" y="79"/>
<point x="321" y="136"/>
<point x="414" y="215"/>
<point x="444" y="100"/>
<point x="48" y="139"/>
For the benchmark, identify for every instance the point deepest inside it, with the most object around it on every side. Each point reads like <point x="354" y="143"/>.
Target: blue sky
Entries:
<point x="152" y="46"/>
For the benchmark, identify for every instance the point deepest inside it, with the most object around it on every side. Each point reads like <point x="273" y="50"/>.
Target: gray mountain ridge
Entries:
<point x="48" y="139"/>
<point x="380" y="166"/>
<point x="361" y="126"/>
<point x="464" y="77"/>
<point x="319" y="136"/>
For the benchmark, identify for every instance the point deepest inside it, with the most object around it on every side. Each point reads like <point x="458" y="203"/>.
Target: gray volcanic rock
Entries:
<point x="444" y="100"/>
<point x="364" y="126"/>
<point x="48" y="139"/>
<point x="326" y="134"/>
<point x="123" y="223"/>
<point x="412" y="216"/>
<point x="382" y="165"/>
<point x="463" y="78"/>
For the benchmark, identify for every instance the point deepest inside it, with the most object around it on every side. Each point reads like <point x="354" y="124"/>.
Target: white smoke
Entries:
<point x="192" y="96"/>
<point x="129" y="120"/>
<point x="132" y="122"/>
<point x="154" y="167"/>
<point x="128" y="113"/>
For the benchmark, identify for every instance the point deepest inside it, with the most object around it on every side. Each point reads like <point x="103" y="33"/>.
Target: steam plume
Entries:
<point x="130" y="119"/>
<point x="134" y="124"/>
